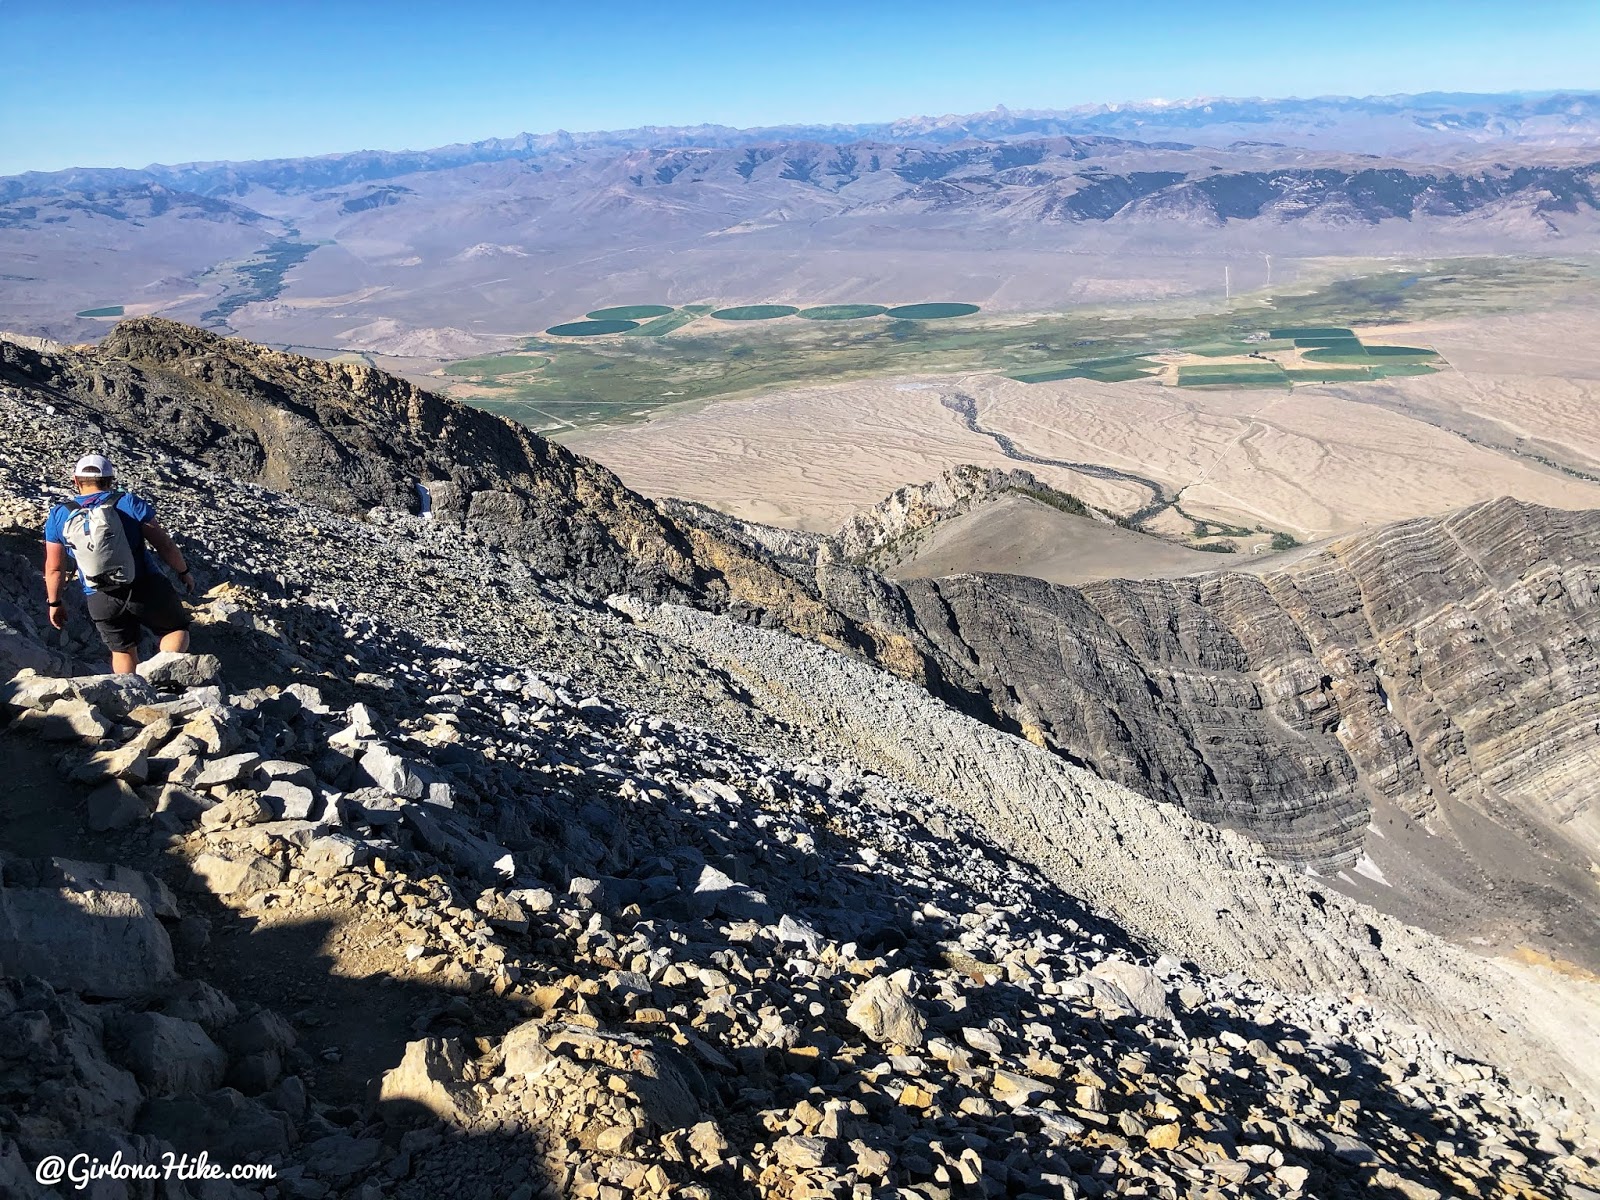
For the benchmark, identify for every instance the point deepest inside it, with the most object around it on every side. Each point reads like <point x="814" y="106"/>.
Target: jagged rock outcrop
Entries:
<point x="352" y="438"/>
<point x="1451" y="657"/>
<point x="867" y="535"/>
<point x="355" y="439"/>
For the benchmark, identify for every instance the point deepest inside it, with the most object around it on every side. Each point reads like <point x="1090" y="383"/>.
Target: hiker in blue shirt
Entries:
<point x="109" y="535"/>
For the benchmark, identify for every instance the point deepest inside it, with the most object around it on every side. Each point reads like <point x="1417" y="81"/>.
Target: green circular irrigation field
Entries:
<point x="755" y="312"/>
<point x="630" y="312"/>
<point x="591" y="328"/>
<point x="931" y="312"/>
<point x="842" y="312"/>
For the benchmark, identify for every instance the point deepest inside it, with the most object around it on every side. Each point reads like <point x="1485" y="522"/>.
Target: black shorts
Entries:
<point x="150" y="602"/>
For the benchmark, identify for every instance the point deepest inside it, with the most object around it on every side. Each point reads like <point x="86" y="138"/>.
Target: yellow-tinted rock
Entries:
<point x="1163" y="1137"/>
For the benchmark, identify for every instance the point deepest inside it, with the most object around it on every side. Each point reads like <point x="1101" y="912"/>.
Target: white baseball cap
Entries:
<point x="94" y="466"/>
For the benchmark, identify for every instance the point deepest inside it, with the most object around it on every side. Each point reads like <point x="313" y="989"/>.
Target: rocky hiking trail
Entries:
<point x="432" y="872"/>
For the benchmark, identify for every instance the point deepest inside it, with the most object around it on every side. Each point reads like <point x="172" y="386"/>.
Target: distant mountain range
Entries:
<point x="442" y="252"/>
<point x="1404" y="125"/>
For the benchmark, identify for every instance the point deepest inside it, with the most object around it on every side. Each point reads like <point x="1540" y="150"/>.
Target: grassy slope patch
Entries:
<point x="755" y="312"/>
<point x="630" y="312"/>
<point x="591" y="328"/>
<point x="496" y="364"/>
<point x="842" y="312"/>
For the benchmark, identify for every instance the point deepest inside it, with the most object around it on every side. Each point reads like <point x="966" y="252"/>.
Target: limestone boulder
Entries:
<point x="431" y="1081"/>
<point x="169" y="1055"/>
<point x="174" y="672"/>
<point x="882" y="1009"/>
<point x="100" y="942"/>
<point x="1140" y="985"/>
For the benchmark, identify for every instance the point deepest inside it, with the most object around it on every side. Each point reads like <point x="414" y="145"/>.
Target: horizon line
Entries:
<point x="1000" y="108"/>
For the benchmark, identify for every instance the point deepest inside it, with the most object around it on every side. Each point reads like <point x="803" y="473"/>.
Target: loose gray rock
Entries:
<point x="1141" y="986"/>
<point x="114" y="805"/>
<point x="226" y="876"/>
<point x="101" y="943"/>
<point x="390" y="772"/>
<point x="883" y="1011"/>
<point x="172" y="671"/>
<point x="170" y="1055"/>
<point x="428" y="1082"/>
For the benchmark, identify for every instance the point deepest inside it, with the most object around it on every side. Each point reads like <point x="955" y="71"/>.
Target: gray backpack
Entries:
<point x="99" y="541"/>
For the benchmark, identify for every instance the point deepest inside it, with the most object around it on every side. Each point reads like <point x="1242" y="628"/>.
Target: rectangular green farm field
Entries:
<point x="1328" y="375"/>
<point x="662" y="326"/>
<point x="1119" y="374"/>
<point x="1050" y="376"/>
<point x="1311" y="331"/>
<point x="1233" y="375"/>
<point x="1398" y="370"/>
<point x="1342" y="345"/>
<point x="1373" y="355"/>
<point x="1106" y="370"/>
<point x="1400" y="352"/>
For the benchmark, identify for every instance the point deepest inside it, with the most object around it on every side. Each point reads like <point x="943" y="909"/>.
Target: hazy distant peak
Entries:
<point x="1436" y="124"/>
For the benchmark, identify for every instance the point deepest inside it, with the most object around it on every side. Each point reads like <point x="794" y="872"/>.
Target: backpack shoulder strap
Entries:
<point x="110" y="498"/>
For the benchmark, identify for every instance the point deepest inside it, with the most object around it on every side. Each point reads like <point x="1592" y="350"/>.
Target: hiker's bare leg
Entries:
<point x="177" y="641"/>
<point x="123" y="662"/>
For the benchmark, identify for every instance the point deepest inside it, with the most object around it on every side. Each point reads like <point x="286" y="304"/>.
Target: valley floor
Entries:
<point x="1516" y="416"/>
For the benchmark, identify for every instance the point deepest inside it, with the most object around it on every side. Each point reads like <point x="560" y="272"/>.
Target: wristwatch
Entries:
<point x="53" y="604"/>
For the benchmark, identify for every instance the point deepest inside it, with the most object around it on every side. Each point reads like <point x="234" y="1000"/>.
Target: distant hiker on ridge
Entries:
<point x="108" y="533"/>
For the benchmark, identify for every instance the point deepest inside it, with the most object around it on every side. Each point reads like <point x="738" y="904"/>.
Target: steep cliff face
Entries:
<point x="1480" y="633"/>
<point x="1453" y="657"/>
<point x="1149" y="684"/>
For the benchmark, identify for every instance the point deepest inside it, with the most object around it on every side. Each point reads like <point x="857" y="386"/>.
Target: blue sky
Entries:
<point x="140" y="81"/>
